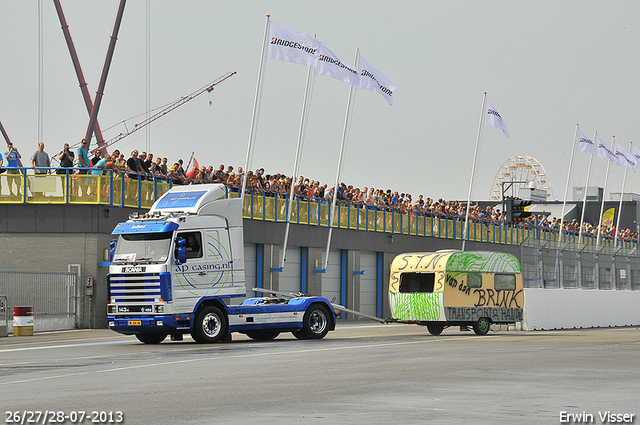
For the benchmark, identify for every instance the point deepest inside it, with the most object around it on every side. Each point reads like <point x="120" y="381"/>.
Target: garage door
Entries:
<point x="290" y="276"/>
<point x="331" y="279"/>
<point x="368" y="280"/>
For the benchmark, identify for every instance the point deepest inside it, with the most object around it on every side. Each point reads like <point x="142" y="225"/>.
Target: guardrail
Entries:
<point x="118" y="189"/>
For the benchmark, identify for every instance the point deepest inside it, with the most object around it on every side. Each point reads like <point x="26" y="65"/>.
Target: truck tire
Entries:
<point x="315" y="323"/>
<point x="482" y="326"/>
<point x="210" y="325"/>
<point x="263" y="335"/>
<point x="151" y="338"/>
<point x="435" y="328"/>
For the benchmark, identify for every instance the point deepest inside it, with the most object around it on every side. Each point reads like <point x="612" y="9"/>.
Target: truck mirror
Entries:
<point x="181" y="251"/>
<point x="112" y="249"/>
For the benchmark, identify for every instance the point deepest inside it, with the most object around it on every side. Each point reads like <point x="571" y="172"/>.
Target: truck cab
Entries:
<point x="174" y="269"/>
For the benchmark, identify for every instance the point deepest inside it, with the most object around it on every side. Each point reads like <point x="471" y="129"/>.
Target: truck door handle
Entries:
<point x="202" y="274"/>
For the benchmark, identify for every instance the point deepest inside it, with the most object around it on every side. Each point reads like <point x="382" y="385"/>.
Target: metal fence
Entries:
<point x="555" y="265"/>
<point x="53" y="295"/>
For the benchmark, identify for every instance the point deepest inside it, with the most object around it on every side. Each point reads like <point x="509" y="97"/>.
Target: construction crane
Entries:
<point x="208" y="88"/>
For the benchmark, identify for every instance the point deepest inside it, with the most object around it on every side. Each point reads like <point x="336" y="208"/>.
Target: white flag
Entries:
<point x="329" y="64"/>
<point x="585" y="144"/>
<point x="372" y="79"/>
<point x="625" y="157"/>
<point x="636" y="154"/>
<point x="605" y="152"/>
<point x="492" y="117"/>
<point x="292" y="46"/>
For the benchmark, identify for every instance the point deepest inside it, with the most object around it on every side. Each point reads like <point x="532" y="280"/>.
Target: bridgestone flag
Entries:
<point x="292" y="46"/>
<point x="372" y="79"/>
<point x="330" y="65"/>
<point x="605" y="152"/>
<point x="625" y="157"/>
<point x="636" y="154"/>
<point x="585" y="144"/>
<point x="492" y="117"/>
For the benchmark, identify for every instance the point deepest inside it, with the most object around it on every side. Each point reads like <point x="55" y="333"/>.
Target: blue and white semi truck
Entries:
<point x="174" y="269"/>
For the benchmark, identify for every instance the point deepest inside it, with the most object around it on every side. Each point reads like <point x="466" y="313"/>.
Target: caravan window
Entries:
<point x="416" y="282"/>
<point x="474" y="280"/>
<point x="504" y="282"/>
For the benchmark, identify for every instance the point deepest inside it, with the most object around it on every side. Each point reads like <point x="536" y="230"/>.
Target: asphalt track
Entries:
<point x="363" y="373"/>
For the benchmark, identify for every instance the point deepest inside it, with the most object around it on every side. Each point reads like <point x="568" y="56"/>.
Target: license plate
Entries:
<point x="135" y="322"/>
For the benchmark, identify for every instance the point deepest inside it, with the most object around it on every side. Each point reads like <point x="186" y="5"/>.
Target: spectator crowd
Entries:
<point x="147" y="167"/>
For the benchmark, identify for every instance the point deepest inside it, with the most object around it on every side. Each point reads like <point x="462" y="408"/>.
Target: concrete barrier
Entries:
<point x="579" y="308"/>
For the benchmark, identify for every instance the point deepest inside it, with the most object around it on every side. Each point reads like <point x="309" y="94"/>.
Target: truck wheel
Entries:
<point x="151" y="338"/>
<point x="315" y="323"/>
<point x="435" y="329"/>
<point x="482" y="326"/>
<point x="210" y="325"/>
<point x="263" y="335"/>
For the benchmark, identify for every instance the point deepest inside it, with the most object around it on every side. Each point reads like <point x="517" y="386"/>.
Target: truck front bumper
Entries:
<point x="160" y="324"/>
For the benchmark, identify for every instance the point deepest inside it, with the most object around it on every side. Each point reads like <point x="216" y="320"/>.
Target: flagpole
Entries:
<point x="345" y="133"/>
<point x="586" y="185"/>
<point x="296" y="164"/>
<point x="624" y="180"/>
<point x="566" y="187"/>
<point x="604" y="191"/>
<point x="256" y="107"/>
<point x="473" y="168"/>
<point x="584" y="200"/>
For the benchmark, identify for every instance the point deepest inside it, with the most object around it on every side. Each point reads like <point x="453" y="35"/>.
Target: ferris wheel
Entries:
<point x="525" y="172"/>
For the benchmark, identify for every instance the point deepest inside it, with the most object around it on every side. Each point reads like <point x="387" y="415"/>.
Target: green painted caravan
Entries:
<point x="456" y="288"/>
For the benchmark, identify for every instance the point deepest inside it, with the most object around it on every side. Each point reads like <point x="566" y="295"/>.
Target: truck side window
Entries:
<point x="504" y="282"/>
<point x="416" y="282"/>
<point x="474" y="280"/>
<point x="194" y="244"/>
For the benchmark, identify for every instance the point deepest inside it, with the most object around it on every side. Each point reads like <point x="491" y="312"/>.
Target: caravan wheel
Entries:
<point x="482" y="326"/>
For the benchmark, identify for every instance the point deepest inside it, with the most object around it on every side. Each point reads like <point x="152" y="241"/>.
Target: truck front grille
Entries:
<point x="135" y="288"/>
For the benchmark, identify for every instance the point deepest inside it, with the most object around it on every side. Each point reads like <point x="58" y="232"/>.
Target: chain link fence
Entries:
<point x="53" y="295"/>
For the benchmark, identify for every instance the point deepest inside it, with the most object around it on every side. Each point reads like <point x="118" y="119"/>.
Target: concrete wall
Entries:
<point x="60" y="238"/>
<point x="579" y="308"/>
<point x="57" y="237"/>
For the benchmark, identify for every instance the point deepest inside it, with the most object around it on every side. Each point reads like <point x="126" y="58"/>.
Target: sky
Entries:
<point x="546" y="66"/>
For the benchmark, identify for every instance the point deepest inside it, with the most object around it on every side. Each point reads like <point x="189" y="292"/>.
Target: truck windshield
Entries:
<point x="142" y="248"/>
